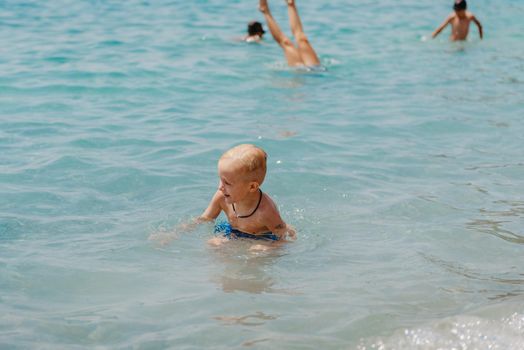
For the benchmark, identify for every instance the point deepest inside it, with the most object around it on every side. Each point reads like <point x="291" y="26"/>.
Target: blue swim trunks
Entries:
<point x="229" y="232"/>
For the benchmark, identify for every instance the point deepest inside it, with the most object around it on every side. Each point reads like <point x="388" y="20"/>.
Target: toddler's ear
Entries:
<point x="253" y="186"/>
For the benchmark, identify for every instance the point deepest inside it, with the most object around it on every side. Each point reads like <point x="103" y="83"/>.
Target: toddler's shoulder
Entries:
<point x="268" y="206"/>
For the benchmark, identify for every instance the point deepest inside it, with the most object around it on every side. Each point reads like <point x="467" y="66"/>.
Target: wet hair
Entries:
<point x="460" y="5"/>
<point x="250" y="159"/>
<point x="255" y="28"/>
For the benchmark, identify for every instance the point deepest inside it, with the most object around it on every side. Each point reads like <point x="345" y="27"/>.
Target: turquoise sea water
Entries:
<point x="401" y="168"/>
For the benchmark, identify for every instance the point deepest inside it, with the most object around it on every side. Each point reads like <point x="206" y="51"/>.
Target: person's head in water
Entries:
<point x="460" y="5"/>
<point x="255" y="31"/>
<point x="255" y="28"/>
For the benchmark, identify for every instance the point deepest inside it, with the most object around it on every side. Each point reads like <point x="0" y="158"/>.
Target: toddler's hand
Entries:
<point x="163" y="238"/>
<point x="291" y="233"/>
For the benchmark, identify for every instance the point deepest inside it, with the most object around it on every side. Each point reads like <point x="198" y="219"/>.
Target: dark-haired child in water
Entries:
<point x="460" y="20"/>
<point x="303" y="53"/>
<point x="255" y="32"/>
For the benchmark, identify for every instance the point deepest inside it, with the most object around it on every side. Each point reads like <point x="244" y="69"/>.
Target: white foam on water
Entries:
<point x="459" y="332"/>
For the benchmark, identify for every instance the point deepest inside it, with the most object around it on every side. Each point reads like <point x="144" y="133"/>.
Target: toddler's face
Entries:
<point x="233" y="182"/>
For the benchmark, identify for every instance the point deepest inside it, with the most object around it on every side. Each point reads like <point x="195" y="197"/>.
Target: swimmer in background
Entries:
<point x="460" y="20"/>
<point x="251" y="214"/>
<point x="255" y="32"/>
<point x="303" y="53"/>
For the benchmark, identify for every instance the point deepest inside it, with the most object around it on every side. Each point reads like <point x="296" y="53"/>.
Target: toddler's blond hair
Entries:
<point x="250" y="159"/>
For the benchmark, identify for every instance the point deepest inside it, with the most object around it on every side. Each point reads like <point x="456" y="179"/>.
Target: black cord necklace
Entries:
<point x="254" y="210"/>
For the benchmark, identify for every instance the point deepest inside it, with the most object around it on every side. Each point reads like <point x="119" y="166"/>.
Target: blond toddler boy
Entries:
<point x="250" y="212"/>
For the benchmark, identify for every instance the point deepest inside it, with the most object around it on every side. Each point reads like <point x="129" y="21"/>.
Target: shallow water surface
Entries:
<point x="401" y="167"/>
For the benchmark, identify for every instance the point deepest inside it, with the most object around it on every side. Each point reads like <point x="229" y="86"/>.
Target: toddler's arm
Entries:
<point x="213" y="209"/>
<point x="273" y="221"/>
<point x="210" y="214"/>
<point x="284" y="230"/>
<point x="276" y="225"/>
